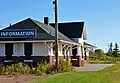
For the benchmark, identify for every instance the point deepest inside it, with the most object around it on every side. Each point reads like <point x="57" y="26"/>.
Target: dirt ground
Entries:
<point x="20" y="79"/>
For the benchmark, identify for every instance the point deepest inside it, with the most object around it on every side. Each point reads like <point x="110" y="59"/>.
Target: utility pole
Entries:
<point x="56" y="32"/>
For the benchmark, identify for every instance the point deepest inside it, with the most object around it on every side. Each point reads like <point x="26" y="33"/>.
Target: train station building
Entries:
<point x="33" y="41"/>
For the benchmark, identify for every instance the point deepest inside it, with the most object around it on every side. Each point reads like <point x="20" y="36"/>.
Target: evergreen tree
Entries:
<point x="116" y="50"/>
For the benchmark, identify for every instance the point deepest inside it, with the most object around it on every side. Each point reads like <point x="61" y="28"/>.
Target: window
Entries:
<point x="28" y="49"/>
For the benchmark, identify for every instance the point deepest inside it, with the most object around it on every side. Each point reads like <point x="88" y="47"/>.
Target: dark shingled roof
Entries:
<point x="44" y="32"/>
<point x="70" y="29"/>
<point x="51" y="31"/>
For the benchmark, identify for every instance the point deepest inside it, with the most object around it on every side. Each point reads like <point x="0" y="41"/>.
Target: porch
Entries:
<point x="38" y="51"/>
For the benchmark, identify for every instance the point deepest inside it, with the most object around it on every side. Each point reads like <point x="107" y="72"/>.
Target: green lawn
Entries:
<point x="108" y="75"/>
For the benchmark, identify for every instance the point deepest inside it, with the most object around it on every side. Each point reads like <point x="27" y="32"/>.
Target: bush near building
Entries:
<point x="43" y="68"/>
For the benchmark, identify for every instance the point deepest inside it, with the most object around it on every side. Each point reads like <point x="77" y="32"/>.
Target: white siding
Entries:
<point x="18" y="49"/>
<point x="2" y="49"/>
<point x="60" y="50"/>
<point x="39" y="49"/>
<point x="50" y="50"/>
<point x="87" y="53"/>
<point x="80" y="40"/>
<point x="70" y="52"/>
<point x="79" y="53"/>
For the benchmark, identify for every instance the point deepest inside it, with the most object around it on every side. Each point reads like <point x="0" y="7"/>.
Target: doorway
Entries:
<point x="28" y="50"/>
<point x="9" y="50"/>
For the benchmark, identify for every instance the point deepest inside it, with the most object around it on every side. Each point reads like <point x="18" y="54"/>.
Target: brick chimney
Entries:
<point x="46" y="20"/>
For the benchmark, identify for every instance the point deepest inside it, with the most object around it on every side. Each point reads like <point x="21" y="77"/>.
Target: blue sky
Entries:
<point x="102" y="17"/>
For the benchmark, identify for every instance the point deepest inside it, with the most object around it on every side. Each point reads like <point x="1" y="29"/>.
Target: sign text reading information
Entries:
<point x="18" y="33"/>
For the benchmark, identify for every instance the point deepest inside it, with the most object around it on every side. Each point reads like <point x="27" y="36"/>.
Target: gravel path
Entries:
<point x="93" y="67"/>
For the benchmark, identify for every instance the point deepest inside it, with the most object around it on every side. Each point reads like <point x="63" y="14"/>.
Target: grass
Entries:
<point x="107" y="75"/>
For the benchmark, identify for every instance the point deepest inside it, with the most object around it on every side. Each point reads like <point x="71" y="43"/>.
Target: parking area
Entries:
<point x="93" y="67"/>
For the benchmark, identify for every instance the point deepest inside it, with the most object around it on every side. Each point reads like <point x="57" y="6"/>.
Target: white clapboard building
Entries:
<point x="33" y="41"/>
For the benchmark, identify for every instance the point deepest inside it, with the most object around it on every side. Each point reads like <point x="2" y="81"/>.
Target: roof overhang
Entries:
<point x="89" y="45"/>
<point x="41" y="41"/>
<point x="26" y="41"/>
<point x="70" y="42"/>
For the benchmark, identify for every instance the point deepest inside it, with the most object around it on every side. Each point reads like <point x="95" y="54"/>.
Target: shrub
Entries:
<point x="41" y="68"/>
<point x="9" y="69"/>
<point x="22" y="68"/>
<point x="2" y="70"/>
<point x="33" y="70"/>
<point x="64" y="66"/>
<point x="51" y="69"/>
<point x="38" y="71"/>
<point x="19" y="68"/>
<point x="26" y="69"/>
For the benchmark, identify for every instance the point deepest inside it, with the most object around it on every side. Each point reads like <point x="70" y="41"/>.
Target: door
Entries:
<point x="9" y="50"/>
<point x="28" y="48"/>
